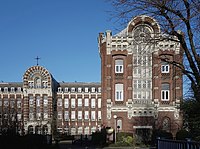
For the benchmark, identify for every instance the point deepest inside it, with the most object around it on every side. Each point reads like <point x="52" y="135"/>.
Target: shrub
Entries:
<point x="124" y="139"/>
<point x="182" y="135"/>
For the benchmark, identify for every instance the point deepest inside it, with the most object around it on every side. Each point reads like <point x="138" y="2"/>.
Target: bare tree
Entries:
<point x="177" y="18"/>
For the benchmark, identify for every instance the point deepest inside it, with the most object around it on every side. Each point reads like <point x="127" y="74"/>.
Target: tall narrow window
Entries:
<point x="73" y="115"/>
<point x="119" y="124"/>
<point x="31" y="101"/>
<point x="73" y="103"/>
<point x="99" y="115"/>
<point x="165" y="92"/>
<point x="79" y="115"/>
<point x="119" y="92"/>
<point x="99" y="102"/>
<point x="86" y="115"/>
<point x="86" y="103"/>
<point x="38" y="101"/>
<point x="38" y="82"/>
<point x="79" y="102"/>
<point x="92" y="115"/>
<point x="118" y="66"/>
<point x="66" y="102"/>
<point x="59" y="102"/>
<point x="93" y="103"/>
<point x="45" y="102"/>
<point x="66" y="115"/>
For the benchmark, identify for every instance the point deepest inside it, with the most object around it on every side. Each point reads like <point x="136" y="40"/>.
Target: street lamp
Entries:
<point x="115" y="119"/>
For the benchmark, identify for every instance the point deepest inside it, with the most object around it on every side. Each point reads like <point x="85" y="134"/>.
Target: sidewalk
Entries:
<point x="69" y="145"/>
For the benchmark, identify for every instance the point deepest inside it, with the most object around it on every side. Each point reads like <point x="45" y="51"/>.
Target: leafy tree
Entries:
<point x="192" y="117"/>
<point x="177" y="18"/>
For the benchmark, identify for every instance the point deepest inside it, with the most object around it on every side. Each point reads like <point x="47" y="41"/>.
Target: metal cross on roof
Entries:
<point x="37" y="59"/>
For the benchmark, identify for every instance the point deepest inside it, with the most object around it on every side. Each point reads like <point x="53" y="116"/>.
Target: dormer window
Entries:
<point x="73" y="89"/>
<point x="5" y="89"/>
<point x="66" y="89"/>
<point x="79" y="89"/>
<point x="12" y="89"/>
<point x="59" y="89"/>
<point x="118" y="66"/>
<point x="99" y="89"/>
<point x="93" y="89"/>
<point x="19" y="89"/>
<point x="86" y="90"/>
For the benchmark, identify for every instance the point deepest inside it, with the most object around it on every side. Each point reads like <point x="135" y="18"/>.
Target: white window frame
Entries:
<point x="93" y="89"/>
<point x="99" y="89"/>
<point x="73" y="103"/>
<point x="93" y="103"/>
<point x="119" y="67"/>
<point x="86" y="115"/>
<point x="99" y="102"/>
<point x="93" y="115"/>
<point x="86" y="102"/>
<point x="66" y="103"/>
<point x="59" y="102"/>
<point x="31" y="101"/>
<point x="66" y="89"/>
<point x="38" y="101"/>
<point x="80" y="130"/>
<point x="99" y="115"/>
<point x="73" y="89"/>
<point x="79" y="90"/>
<point x="66" y="116"/>
<point x="79" y="115"/>
<point x="119" y="92"/>
<point x="119" y="123"/>
<point x="165" y="68"/>
<point x="165" y="96"/>
<point x="59" y="89"/>
<point x="73" y="115"/>
<point x="79" y="102"/>
<point x="86" y="90"/>
<point x="45" y="101"/>
<point x="87" y="130"/>
<point x="12" y="89"/>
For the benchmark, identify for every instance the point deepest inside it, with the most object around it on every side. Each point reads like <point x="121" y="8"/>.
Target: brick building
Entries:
<point x="139" y="90"/>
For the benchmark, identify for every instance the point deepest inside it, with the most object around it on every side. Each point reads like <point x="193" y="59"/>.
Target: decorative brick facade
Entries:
<point x="139" y="90"/>
<point x="152" y="88"/>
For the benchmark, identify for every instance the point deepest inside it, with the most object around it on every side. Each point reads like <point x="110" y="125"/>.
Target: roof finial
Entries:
<point x="37" y="59"/>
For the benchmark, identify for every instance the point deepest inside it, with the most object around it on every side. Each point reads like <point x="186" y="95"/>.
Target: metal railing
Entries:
<point x="177" y="144"/>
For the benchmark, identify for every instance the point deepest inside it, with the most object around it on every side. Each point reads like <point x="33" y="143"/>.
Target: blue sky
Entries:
<point x="62" y="33"/>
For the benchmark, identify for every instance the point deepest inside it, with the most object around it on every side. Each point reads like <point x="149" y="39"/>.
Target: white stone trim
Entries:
<point x="135" y="127"/>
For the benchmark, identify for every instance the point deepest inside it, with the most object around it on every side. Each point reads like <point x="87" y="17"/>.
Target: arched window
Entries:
<point x="166" y="124"/>
<point x="119" y="124"/>
<point x="37" y="82"/>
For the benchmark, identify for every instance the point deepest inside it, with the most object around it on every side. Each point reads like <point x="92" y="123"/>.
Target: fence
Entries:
<point x="177" y="144"/>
